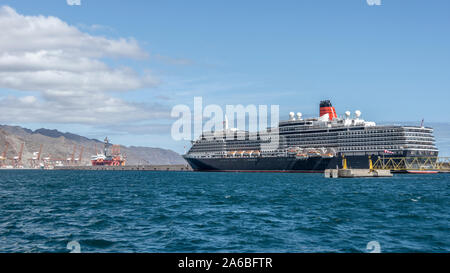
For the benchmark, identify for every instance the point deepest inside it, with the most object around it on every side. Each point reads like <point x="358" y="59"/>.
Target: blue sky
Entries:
<point x="391" y="61"/>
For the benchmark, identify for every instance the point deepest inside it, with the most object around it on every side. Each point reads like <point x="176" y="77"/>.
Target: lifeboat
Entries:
<point x="301" y="156"/>
<point x="313" y="153"/>
<point x="328" y="155"/>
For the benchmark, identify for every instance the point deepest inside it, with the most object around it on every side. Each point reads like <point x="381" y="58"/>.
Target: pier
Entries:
<point x="173" y="168"/>
<point x="353" y="173"/>
<point x="345" y="172"/>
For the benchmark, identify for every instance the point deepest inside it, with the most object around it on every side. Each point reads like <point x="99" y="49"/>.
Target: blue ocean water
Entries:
<point x="42" y="211"/>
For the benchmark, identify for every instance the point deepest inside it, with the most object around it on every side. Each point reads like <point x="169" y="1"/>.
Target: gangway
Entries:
<point x="441" y="164"/>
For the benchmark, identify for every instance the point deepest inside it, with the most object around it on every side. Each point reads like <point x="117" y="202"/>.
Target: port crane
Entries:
<point x="36" y="159"/>
<point x="80" y="156"/>
<point x="3" y="156"/>
<point x="72" y="158"/>
<point x="18" y="159"/>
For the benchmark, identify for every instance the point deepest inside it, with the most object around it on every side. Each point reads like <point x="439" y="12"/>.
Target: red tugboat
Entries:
<point x="114" y="159"/>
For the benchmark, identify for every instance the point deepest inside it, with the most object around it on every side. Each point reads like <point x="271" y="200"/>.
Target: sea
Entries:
<point x="141" y="211"/>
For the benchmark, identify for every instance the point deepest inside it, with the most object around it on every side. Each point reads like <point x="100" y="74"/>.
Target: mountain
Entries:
<point x="56" y="134"/>
<point x="60" y="146"/>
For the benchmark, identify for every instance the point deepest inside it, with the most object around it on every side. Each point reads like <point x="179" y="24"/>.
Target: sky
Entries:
<point x="117" y="68"/>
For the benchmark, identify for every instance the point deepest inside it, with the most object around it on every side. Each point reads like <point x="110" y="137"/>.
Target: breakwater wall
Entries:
<point x="185" y="168"/>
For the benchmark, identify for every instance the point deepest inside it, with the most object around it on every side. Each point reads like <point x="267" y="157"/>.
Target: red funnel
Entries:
<point x="327" y="108"/>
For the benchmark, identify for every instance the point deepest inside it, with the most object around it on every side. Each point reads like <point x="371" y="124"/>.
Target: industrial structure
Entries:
<point x="37" y="159"/>
<point x="3" y="158"/>
<point x="413" y="164"/>
<point x="105" y="159"/>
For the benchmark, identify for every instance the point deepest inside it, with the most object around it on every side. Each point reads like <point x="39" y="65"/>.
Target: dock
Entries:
<point x="353" y="173"/>
<point x="346" y="172"/>
<point x="173" y="168"/>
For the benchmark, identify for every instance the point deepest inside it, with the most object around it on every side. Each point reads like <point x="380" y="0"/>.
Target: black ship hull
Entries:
<point x="275" y="164"/>
<point x="283" y="164"/>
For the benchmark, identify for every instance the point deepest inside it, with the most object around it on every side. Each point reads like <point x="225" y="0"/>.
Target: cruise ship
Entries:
<point x="309" y="145"/>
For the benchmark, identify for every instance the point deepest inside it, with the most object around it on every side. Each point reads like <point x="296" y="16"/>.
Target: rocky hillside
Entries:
<point x="58" y="145"/>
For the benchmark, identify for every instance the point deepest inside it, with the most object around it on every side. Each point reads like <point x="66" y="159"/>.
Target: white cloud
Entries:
<point x="28" y="100"/>
<point x="61" y="81"/>
<point x="50" y="34"/>
<point x="96" y="109"/>
<point x="65" y="67"/>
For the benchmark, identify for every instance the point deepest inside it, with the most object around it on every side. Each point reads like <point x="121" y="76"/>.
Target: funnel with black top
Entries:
<point x="327" y="108"/>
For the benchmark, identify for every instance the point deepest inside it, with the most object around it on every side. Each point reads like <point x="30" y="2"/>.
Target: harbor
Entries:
<point x="110" y="157"/>
<point x="172" y="168"/>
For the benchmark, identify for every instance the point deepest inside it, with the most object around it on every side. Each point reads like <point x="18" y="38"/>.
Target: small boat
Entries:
<point x="422" y="171"/>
